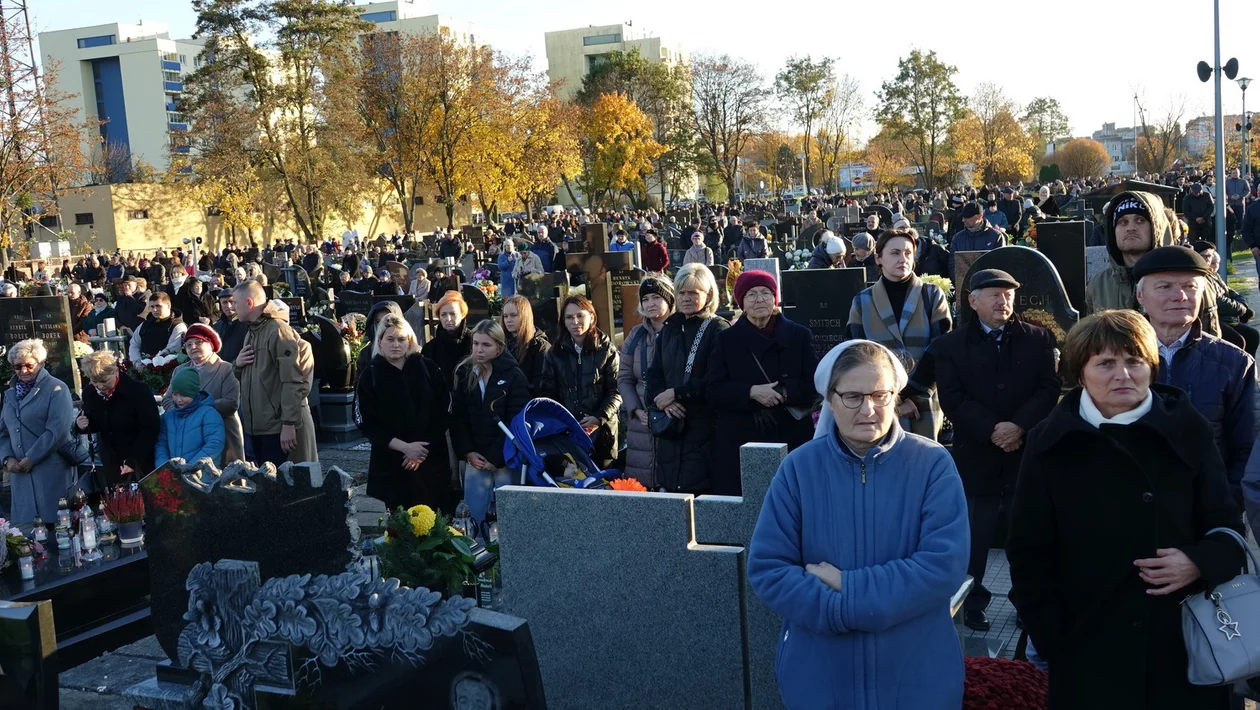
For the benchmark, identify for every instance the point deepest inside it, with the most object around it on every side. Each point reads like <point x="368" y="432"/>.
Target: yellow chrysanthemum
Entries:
<point x="422" y="519"/>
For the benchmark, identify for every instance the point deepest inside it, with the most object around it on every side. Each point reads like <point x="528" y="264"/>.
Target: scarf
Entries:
<point x="907" y="334"/>
<point x="21" y="389"/>
<point x="1090" y="412"/>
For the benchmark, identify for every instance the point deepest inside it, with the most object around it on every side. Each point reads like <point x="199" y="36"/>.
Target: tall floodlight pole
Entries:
<point x="1244" y="128"/>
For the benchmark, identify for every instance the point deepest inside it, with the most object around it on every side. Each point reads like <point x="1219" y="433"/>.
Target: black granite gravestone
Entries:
<point x="1063" y="243"/>
<point x="28" y="656"/>
<point x="478" y="304"/>
<point x="628" y="277"/>
<point x="819" y="299"/>
<point x="332" y="356"/>
<point x="1041" y="298"/>
<point x="46" y="318"/>
<point x="296" y="521"/>
<point x="404" y="301"/>
<point x="353" y="302"/>
<point x="297" y="311"/>
<point x="272" y="272"/>
<point x="594" y="268"/>
<point x="545" y="293"/>
<point x="399" y="273"/>
<point x="298" y="280"/>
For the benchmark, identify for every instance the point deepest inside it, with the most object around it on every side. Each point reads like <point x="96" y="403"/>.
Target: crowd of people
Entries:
<point x="1108" y="489"/>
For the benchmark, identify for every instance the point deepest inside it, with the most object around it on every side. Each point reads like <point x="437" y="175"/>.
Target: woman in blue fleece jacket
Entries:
<point x="861" y="542"/>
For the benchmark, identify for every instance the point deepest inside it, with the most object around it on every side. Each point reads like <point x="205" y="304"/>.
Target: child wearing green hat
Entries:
<point x="192" y="429"/>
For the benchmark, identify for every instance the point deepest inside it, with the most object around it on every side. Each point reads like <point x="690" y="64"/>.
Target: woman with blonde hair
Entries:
<point x="526" y="343"/>
<point x="401" y="405"/>
<point x="450" y="342"/>
<point x="489" y="388"/>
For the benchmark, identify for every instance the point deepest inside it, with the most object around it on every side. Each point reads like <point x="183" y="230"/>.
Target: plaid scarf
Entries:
<point x="908" y="333"/>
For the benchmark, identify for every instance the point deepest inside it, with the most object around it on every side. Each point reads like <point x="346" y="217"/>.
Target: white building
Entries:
<point x="128" y="77"/>
<point x="1119" y="142"/>
<point x="571" y="54"/>
<point x="414" y="17"/>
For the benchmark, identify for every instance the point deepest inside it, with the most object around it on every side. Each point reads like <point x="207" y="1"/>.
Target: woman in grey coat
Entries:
<point x="202" y="344"/>
<point x="37" y="415"/>
<point x="656" y="303"/>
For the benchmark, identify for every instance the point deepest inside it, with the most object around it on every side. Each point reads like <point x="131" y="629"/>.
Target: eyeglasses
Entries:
<point x="853" y="400"/>
<point x="761" y="295"/>
<point x="26" y="366"/>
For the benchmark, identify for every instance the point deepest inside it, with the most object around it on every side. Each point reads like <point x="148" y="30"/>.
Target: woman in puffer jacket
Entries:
<point x="656" y="303"/>
<point x="580" y="372"/>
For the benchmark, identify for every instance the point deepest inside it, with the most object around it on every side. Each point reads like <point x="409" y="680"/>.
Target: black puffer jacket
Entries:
<point x="532" y="362"/>
<point x="683" y="462"/>
<point x="586" y="384"/>
<point x="448" y="348"/>
<point x="473" y="426"/>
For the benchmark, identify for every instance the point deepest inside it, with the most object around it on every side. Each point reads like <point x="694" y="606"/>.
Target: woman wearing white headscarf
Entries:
<point x="860" y="544"/>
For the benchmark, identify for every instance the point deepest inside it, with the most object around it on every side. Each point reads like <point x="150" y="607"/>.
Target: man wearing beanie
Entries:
<point x="1137" y="224"/>
<point x="192" y="430"/>
<point x="1219" y="378"/>
<point x="864" y="255"/>
<point x="656" y="304"/>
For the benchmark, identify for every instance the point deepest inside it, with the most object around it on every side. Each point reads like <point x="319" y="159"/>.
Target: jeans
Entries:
<point x="479" y="490"/>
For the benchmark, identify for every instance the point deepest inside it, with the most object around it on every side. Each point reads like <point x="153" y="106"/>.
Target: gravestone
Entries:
<point x="46" y="318"/>
<point x="545" y="293"/>
<point x="1096" y="259"/>
<point x="332" y="355"/>
<point x="478" y="304"/>
<point x="962" y="267"/>
<point x="629" y="309"/>
<point x="476" y="234"/>
<point x="1063" y="243"/>
<point x="819" y="299"/>
<point x="297" y="311"/>
<point x="272" y="272"/>
<point x="468" y="264"/>
<point x="595" y="267"/>
<point x="404" y="301"/>
<point x="399" y="273"/>
<point x="628" y="277"/>
<point x="196" y="514"/>
<point x="298" y="280"/>
<point x="1041" y="299"/>
<point x="28" y="655"/>
<point x="769" y="265"/>
<point x="353" y="302"/>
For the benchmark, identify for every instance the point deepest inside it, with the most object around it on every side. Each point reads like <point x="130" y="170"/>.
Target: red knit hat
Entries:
<point x="201" y="331"/>
<point x="749" y="280"/>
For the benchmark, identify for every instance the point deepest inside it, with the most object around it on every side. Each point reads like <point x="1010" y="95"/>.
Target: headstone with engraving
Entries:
<point x="478" y="304"/>
<point x="46" y="318"/>
<point x="353" y="302"/>
<point x="1063" y="243"/>
<point x="399" y="273"/>
<point x="545" y="293"/>
<point x="298" y="280"/>
<point x="1096" y="260"/>
<point x="272" y="272"/>
<point x="628" y="277"/>
<point x="595" y="268"/>
<point x="1041" y="298"/>
<point x="819" y="299"/>
<point x="297" y="311"/>
<point x="476" y="234"/>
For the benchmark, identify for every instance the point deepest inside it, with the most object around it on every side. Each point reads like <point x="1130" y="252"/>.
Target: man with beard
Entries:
<point x="1138" y="224"/>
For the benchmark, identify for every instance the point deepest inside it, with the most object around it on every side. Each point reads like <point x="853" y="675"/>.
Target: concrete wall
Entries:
<point x="169" y="220"/>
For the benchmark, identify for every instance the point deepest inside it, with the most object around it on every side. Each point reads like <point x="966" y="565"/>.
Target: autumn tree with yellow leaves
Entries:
<point x="992" y="138"/>
<point x="617" y="150"/>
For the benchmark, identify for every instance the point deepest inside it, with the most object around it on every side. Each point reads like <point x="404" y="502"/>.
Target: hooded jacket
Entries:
<point x="1114" y="287"/>
<point x="274" y="387"/>
<point x="192" y="433"/>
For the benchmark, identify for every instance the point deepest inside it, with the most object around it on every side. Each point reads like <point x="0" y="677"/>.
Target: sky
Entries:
<point x="1092" y="55"/>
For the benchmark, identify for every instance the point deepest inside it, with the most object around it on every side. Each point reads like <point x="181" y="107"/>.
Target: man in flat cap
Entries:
<point x="996" y="379"/>
<point x="1219" y="377"/>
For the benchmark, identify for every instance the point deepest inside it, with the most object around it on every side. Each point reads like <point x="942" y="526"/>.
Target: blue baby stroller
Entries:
<point x="543" y="429"/>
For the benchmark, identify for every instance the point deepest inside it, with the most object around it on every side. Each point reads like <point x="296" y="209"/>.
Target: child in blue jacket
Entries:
<point x="192" y="429"/>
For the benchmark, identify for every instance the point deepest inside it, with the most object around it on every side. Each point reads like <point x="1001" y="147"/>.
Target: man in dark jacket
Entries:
<point x="1251" y="229"/>
<point x="1010" y="206"/>
<point x="449" y="247"/>
<point x="231" y="331"/>
<point x="1199" y="207"/>
<point x="931" y="258"/>
<point x="129" y="305"/>
<point x="976" y="235"/>
<point x="731" y="235"/>
<point x="1220" y="378"/>
<point x="996" y="379"/>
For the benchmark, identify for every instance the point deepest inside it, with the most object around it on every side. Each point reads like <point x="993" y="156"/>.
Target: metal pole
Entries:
<point x="1221" y="246"/>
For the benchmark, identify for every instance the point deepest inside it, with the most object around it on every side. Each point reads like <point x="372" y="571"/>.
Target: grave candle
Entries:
<point x="26" y="563"/>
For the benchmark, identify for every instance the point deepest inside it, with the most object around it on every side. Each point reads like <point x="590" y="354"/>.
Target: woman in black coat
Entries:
<point x="1116" y="492"/>
<point x="683" y="458"/>
<point x="450" y="344"/>
<point x="401" y="405"/>
<point x="375" y="315"/>
<point x="761" y="366"/>
<point x="527" y="344"/>
<point x="489" y="388"/>
<point x="580" y="372"/>
<point x="121" y="411"/>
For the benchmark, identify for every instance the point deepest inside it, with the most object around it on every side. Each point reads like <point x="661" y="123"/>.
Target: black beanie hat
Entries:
<point x="1130" y="205"/>
<point x="655" y="285"/>
<point x="1170" y="259"/>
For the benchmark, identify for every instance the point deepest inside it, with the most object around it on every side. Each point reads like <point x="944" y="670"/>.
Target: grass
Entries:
<point x="1240" y="284"/>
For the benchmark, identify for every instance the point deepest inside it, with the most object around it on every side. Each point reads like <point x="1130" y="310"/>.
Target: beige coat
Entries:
<point x="225" y="390"/>
<point x="275" y="386"/>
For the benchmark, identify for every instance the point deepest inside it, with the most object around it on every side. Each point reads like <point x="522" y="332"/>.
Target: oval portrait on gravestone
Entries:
<point x="473" y="691"/>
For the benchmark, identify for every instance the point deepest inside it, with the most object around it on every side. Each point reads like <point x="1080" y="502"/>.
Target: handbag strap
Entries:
<point x="759" y="367"/>
<point x="1255" y="566"/>
<point x="695" y="345"/>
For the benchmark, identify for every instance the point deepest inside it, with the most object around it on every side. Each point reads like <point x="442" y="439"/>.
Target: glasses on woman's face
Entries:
<point x="854" y="400"/>
<point x="25" y="366"/>
<point x="759" y="294"/>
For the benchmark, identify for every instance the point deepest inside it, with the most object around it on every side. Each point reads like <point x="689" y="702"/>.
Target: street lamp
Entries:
<point x="1206" y="72"/>
<point x="1245" y="127"/>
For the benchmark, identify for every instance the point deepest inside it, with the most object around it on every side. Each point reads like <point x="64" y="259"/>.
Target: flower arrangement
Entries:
<point x="353" y="326"/>
<point x="1040" y="317"/>
<point x="422" y="550"/>
<point x="1030" y="235"/>
<point x="281" y="289"/>
<point x="123" y="505"/>
<point x="797" y="259"/>
<point x="734" y="268"/>
<point x="13" y="541"/>
<point x="155" y="372"/>
<point x="78" y="350"/>
<point x="166" y="492"/>
<point x="998" y="683"/>
<point x="481" y="279"/>
<point x="944" y="284"/>
<point x="626" y="484"/>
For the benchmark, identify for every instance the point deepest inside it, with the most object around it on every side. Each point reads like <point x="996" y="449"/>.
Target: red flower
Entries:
<point x="998" y="684"/>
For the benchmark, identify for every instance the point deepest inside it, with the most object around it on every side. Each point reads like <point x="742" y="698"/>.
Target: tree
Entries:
<point x="548" y="150"/>
<point x="918" y="106"/>
<point x="990" y="137"/>
<point x="286" y="88"/>
<point x="805" y="86"/>
<point x="1159" y="138"/>
<point x="888" y="159"/>
<point x="1045" y="121"/>
<point x="41" y="145"/>
<point x="1081" y="158"/>
<point x="787" y="167"/>
<point x="617" y="149"/>
<point x="832" y="139"/>
<point x="727" y="96"/>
